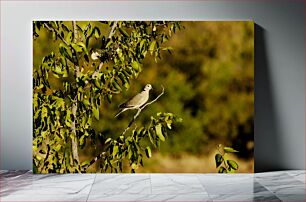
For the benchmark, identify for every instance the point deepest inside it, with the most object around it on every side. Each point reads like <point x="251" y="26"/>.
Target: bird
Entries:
<point x="137" y="101"/>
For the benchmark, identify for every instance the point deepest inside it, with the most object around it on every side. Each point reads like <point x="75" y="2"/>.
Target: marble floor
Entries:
<point x="268" y="186"/>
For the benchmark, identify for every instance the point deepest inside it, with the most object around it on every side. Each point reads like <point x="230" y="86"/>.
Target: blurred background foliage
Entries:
<point x="209" y="83"/>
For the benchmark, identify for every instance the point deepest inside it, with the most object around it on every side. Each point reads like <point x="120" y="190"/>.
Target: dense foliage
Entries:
<point x="86" y="67"/>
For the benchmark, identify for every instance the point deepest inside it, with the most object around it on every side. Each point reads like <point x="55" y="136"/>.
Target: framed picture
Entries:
<point x="143" y="96"/>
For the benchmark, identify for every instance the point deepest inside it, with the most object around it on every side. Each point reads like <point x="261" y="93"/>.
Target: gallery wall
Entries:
<point x="279" y="67"/>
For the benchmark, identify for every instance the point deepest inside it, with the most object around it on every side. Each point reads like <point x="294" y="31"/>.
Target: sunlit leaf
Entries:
<point x="77" y="48"/>
<point x="222" y="170"/>
<point x="85" y="163"/>
<point x="135" y="65"/>
<point x="115" y="150"/>
<point x="95" y="112"/>
<point x="232" y="164"/>
<point x="229" y="150"/>
<point x="44" y="112"/>
<point x="108" y="140"/>
<point x="69" y="37"/>
<point x="152" y="46"/>
<point x="159" y="132"/>
<point x="148" y="152"/>
<point x="218" y="160"/>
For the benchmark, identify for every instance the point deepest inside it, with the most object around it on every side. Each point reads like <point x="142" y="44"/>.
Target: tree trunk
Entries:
<point x="74" y="139"/>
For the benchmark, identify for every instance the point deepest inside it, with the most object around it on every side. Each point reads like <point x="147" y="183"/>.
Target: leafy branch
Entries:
<point x="57" y="33"/>
<point x="99" y="156"/>
<point x="111" y="33"/>
<point x="229" y="166"/>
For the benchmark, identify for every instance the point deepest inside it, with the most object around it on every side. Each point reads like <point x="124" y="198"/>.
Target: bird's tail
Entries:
<point x="120" y="111"/>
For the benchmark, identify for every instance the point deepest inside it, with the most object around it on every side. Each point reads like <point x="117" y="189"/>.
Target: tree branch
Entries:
<point x="58" y="35"/>
<point x="141" y="108"/>
<point x="110" y="34"/>
<point x="93" y="161"/>
<point x="75" y="40"/>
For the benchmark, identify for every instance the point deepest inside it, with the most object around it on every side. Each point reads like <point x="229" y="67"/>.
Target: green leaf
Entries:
<point x="65" y="51"/>
<point x="38" y="158"/>
<point x="109" y="43"/>
<point x="44" y="112"/>
<point x="151" y="138"/>
<point x="81" y="44"/>
<point x="54" y="36"/>
<point x="152" y="46"/>
<point x="68" y="118"/>
<point x="130" y="153"/>
<point x="85" y="163"/>
<point x="169" y="122"/>
<point x="230" y="170"/>
<point x="95" y="112"/>
<point x="115" y="150"/>
<point x="148" y="152"/>
<point x="135" y="65"/>
<point x="35" y="169"/>
<point x="34" y="148"/>
<point x="134" y="166"/>
<point x="218" y="160"/>
<point x="229" y="150"/>
<point x="97" y="83"/>
<point x="159" y="132"/>
<point x="82" y="140"/>
<point x="123" y="32"/>
<point x="76" y="47"/>
<point x="109" y="98"/>
<point x="222" y="170"/>
<point x="59" y="103"/>
<point x="57" y="147"/>
<point x="232" y="164"/>
<point x="108" y="140"/>
<point x="124" y="80"/>
<point x="167" y="48"/>
<point x="58" y="70"/>
<point x="142" y="43"/>
<point x="127" y="85"/>
<point x="69" y="37"/>
<point x="86" y="102"/>
<point x="97" y="32"/>
<point x="116" y="85"/>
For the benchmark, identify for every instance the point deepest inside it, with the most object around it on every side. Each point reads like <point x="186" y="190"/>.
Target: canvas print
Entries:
<point x="143" y="96"/>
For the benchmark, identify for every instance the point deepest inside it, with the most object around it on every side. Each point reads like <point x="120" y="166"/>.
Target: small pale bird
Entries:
<point x="137" y="101"/>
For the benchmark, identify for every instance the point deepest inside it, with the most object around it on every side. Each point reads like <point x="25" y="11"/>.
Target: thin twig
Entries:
<point x="54" y="30"/>
<point x="110" y="34"/>
<point x="141" y="108"/>
<point x="93" y="161"/>
<point x="163" y="91"/>
<point x="75" y="40"/>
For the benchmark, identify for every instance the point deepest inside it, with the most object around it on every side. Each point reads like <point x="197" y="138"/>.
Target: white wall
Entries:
<point x="279" y="67"/>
